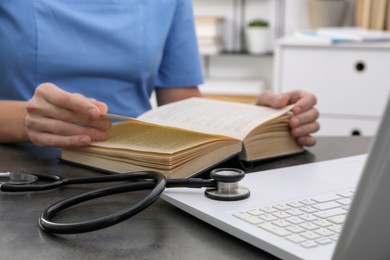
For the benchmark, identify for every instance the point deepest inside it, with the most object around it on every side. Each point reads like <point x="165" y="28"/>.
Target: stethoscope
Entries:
<point x="223" y="186"/>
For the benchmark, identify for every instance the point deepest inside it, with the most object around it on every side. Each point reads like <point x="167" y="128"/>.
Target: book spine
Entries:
<point x="209" y="31"/>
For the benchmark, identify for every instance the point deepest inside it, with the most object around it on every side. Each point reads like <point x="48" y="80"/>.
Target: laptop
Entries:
<point x="336" y="209"/>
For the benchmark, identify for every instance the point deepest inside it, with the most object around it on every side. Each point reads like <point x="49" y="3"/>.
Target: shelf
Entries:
<point x="236" y="19"/>
<point x="239" y="53"/>
<point x="230" y="59"/>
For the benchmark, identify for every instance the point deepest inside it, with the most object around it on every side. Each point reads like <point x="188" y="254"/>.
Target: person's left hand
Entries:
<point x="303" y="123"/>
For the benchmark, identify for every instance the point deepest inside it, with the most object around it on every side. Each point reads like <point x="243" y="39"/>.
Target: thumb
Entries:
<point x="267" y="98"/>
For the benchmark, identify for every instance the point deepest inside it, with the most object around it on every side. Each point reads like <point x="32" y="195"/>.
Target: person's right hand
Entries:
<point x="59" y="118"/>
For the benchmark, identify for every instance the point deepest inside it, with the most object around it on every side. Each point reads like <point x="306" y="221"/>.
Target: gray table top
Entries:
<point x="159" y="232"/>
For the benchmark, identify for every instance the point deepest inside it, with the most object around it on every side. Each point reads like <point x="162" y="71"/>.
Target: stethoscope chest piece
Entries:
<point x="227" y="185"/>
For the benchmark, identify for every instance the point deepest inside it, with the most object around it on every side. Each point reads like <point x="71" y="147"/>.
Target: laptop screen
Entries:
<point x="366" y="230"/>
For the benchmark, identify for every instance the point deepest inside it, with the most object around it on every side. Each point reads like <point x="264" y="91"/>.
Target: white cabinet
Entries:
<point x="351" y="82"/>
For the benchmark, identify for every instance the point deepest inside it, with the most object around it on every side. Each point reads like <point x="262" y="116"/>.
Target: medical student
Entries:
<point x="63" y="63"/>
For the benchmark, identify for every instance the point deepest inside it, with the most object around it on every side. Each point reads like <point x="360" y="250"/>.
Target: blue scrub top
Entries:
<point x="116" y="51"/>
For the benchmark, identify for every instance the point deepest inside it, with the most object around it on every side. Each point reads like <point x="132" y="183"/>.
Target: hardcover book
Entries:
<point x="184" y="138"/>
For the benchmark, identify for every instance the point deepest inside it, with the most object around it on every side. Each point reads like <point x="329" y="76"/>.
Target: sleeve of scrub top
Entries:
<point x="180" y="65"/>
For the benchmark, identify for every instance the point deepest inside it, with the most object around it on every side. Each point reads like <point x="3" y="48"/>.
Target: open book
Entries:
<point x="184" y="138"/>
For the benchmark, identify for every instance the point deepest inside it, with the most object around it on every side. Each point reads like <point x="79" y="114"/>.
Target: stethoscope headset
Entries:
<point x="223" y="186"/>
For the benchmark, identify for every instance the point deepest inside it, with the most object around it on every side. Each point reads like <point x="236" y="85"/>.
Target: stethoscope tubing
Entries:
<point x="153" y="181"/>
<point x="156" y="187"/>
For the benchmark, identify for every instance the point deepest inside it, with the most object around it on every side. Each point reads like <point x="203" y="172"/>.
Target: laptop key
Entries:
<point x="326" y="198"/>
<point x="274" y="229"/>
<point x="242" y="215"/>
<point x="324" y="241"/>
<point x="310" y="235"/>
<point x="308" y="217"/>
<point x="309" y="244"/>
<point x="335" y="228"/>
<point x="330" y="213"/>
<point x="281" y="214"/>
<point x="281" y="207"/>
<point x="281" y="223"/>
<point x="255" y="212"/>
<point x="308" y="209"/>
<point x="254" y="220"/>
<point x="308" y="222"/>
<point x="323" y="232"/>
<point x="322" y="223"/>
<point x="268" y="209"/>
<point x="344" y="201"/>
<point x="295" y="220"/>
<point x="296" y="238"/>
<point x="309" y="226"/>
<point x="308" y="202"/>
<point x="295" y="212"/>
<point x="295" y="204"/>
<point x="295" y="229"/>
<point x="268" y="217"/>
<point x="327" y="205"/>
<point x="337" y="219"/>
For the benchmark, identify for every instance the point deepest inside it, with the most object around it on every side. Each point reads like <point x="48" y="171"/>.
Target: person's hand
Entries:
<point x="304" y="120"/>
<point x="55" y="117"/>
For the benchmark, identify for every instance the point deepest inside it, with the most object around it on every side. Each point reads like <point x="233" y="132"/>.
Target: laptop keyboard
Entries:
<point x="308" y="222"/>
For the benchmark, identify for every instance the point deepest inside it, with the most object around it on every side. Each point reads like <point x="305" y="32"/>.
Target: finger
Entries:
<point x="306" y="129"/>
<point x="60" y="98"/>
<point x="306" y="140"/>
<point x="61" y="128"/>
<point x="45" y="109"/>
<point x="267" y="98"/>
<point x="306" y="117"/>
<point x="303" y="100"/>
<point x="48" y="139"/>
<point x="102" y="106"/>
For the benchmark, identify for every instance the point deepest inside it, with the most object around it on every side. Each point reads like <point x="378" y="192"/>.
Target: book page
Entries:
<point x="211" y="116"/>
<point x="144" y="137"/>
